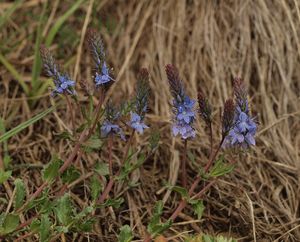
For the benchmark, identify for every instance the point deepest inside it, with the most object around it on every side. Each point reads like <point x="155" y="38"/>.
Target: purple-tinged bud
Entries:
<point x="62" y="81"/>
<point x="175" y="83"/>
<point x="183" y="106"/>
<point x="228" y="117"/>
<point x="50" y="67"/>
<point x="204" y="108"/>
<point x="96" y="47"/>
<point x="142" y="93"/>
<point x="241" y="95"/>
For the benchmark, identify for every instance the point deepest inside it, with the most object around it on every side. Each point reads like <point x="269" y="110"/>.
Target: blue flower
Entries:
<point x="185" y="130"/>
<point x="137" y="123"/>
<point x="184" y="117"/>
<point x="104" y="77"/>
<point x="244" y="128"/>
<point x="110" y="128"/>
<point x="183" y="106"/>
<point x="64" y="85"/>
<point x="243" y="132"/>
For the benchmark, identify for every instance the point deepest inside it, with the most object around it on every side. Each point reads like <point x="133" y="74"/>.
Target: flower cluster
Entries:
<point x="140" y="102"/>
<point x="110" y="126"/>
<point x="62" y="81"/>
<point x="244" y="128"/>
<point x="96" y="46"/>
<point x="183" y="106"/>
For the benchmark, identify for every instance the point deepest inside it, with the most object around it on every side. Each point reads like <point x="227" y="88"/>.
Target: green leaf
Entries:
<point x="70" y="175"/>
<point x="102" y="169"/>
<point x="50" y="172"/>
<point x="125" y="234"/>
<point x="181" y="190"/>
<point x="20" y="193"/>
<point x="45" y="227"/>
<point x="62" y="229"/>
<point x="219" y="238"/>
<point x="129" y="167"/>
<point x="203" y="174"/>
<point x="53" y="31"/>
<point x="198" y="207"/>
<point x="4" y="175"/>
<point x="93" y="143"/>
<point x="24" y="125"/>
<point x="220" y="168"/>
<point x="87" y="225"/>
<point x="155" y="227"/>
<point x="96" y="187"/>
<point x="63" y="210"/>
<point x="114" y="202"/>
<point x="9" y="223"/>
<point x="35" y="226"/>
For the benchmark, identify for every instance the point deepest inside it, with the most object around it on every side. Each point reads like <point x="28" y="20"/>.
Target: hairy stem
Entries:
<point x="183" y="202"/>
<point x="110" y="144"/>
<point x="213" y="157"/>
<point x="71" y="113"/>
<point x="211" y="138"/>
<point x="111" y="182"/>
<point x="83" y="137"/>
<point x="183" y="166"/>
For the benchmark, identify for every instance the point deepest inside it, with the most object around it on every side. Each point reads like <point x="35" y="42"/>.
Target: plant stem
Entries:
<point x="110" y="144"/>
<point x="183" y="202"/>
<point x="83" y="137"/>
<point x="97" y="112"/>
<point x="211" y="138"/>
<point x="183" y="166"/>
<point x="71" y="113"/>
<point x="182" y="205"/>
<point x="212" y="158"/>
<point x="112" y="180"/>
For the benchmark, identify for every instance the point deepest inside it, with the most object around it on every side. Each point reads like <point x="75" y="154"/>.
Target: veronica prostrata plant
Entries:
<point x="50" y="211"/>
<point x="237" y="131"/>
<point x="95" y="127"/>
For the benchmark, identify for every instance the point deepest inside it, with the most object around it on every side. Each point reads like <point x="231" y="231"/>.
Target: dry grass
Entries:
<point x="211" y="42"/>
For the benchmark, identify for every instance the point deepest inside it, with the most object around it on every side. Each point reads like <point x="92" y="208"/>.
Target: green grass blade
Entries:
<point x="36" y="70"/>
<point x="14" y="73"/>
<point x="9" y="12"/>
<point x="24" y="125"/>
<point x="53" y="31"/>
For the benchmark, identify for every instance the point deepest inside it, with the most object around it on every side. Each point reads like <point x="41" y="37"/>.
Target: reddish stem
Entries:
<point x="211" y="160"/>
<point x="183" y="202"/>
<point x="110" y="144"/>
<point x="71" y="113"/>
<point x="183" y="166"/>
<point x="112" y="180"/>
<point x="182" y="205"/>
<point x="211" y="138"/>
<point x="76" y="148"/>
